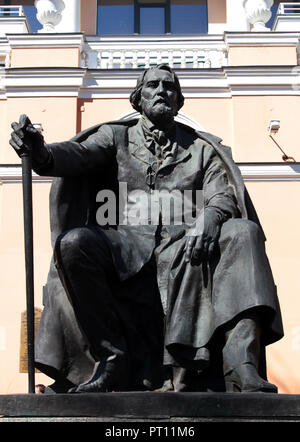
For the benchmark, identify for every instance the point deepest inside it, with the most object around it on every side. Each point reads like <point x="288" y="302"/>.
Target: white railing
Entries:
<point x="116" y="59"/>
<point x="288" y="8"/>
<point x="12" y="11"/>
<point x="140" y="53"/>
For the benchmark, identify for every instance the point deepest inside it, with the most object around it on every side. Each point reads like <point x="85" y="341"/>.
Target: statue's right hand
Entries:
<point x="26" y="138"/>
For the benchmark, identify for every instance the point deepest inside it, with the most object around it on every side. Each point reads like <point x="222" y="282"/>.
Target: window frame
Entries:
<point x="137" y="14"/>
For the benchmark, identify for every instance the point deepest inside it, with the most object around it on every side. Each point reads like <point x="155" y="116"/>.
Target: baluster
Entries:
<point x="110" y="63"/>
<point x="195" y="59"/>
<point x="99" y="60"/>
<point x="123" y="59"/>
<point x="147" y="58"/>
<point x="159" y="57"/>
<point x="135" y="59"/>
<point x="207" y="60"/>
<point x="183" y="58"/>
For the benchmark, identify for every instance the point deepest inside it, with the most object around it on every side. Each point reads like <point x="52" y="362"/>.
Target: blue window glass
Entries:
<point x="188" y="17"/>
<point x="152" y="20"/>
<point x="270" y="23"/>
<point x="30" y="12"/>
<point x="115" y="19"/>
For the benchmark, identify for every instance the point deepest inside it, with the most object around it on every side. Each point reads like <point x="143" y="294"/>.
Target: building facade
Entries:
<point x="71" y="64"/>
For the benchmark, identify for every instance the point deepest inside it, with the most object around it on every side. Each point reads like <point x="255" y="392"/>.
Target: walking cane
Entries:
<point x="28" y="243"/>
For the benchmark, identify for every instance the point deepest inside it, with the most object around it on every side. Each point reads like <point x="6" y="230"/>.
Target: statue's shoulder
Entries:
<point x="116" y="125"/>
<point x="216" y="142"/>
<point x="211" y="139"/>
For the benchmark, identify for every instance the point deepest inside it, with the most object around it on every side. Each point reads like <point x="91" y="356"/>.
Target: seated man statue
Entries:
<point x="161" y="301"/>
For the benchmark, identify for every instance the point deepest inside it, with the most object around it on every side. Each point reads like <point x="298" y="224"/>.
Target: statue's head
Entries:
<point x="158" y="94"/>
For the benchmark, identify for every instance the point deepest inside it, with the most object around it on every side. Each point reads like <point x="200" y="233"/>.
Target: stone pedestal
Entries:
<point x="153" y="407"/>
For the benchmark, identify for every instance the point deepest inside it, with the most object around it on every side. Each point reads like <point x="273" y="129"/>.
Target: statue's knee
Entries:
<point x="242" y="229"/>
<point x="68" y="244"/>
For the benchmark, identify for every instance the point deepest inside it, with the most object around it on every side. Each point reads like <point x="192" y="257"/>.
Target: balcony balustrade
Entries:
<point x="139" y="52"/>
<point x="12" y="11"/>
<point x="288" y="8"/>
<point x="287" y="17"/>
<point x="13" y="20"/>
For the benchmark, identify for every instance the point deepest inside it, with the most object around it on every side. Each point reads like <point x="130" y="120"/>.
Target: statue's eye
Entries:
<point x="152" y="84"/>
<point x="171" y="86"/>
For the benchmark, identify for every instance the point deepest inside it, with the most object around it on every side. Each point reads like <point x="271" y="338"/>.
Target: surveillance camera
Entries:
<point x="274" y="125"/>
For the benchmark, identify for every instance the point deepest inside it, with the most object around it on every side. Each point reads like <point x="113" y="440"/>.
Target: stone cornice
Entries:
<point x="45" y="40"/>
<point x="105" y="83"/>
<point x="42" y="81"/>
<point x="261" y="38"/>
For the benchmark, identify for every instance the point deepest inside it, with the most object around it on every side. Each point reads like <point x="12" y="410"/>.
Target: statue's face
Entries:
<point x="159" y="97"/>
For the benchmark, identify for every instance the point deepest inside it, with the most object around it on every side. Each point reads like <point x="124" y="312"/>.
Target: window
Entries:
<point x="188" y="17"/>
<point x="117" y="17"/>
<point x="29" y="10"/>
<point x="152" y="19"/>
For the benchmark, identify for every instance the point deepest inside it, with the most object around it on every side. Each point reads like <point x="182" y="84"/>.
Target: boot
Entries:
<point x="245" y="379"/>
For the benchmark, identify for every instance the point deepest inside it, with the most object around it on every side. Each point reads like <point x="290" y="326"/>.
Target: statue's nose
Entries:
<point x="161" y="89"/>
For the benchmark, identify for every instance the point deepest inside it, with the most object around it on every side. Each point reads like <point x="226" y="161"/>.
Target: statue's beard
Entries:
<point x="161" y="114"/>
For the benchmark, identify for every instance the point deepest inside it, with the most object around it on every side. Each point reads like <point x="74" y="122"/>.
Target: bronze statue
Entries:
<point x="154" y="302"/>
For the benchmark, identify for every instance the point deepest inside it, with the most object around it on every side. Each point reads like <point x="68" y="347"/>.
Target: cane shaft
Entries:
<point x="29" y="266"/>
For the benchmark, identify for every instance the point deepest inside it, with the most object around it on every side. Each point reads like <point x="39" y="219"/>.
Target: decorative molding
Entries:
<point x="27" y="82"/>
<point x="155" y="39"/>
<point x="30" y="41"/>
<point x="13" y="174"/>
<point x="115" y="83"/>
<point x="270" y="172"/>
<point x="250" y="172"/>
<point x="261" y="39"/>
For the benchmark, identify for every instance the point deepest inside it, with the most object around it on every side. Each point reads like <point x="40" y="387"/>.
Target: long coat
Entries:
<point x="72" y="204"/>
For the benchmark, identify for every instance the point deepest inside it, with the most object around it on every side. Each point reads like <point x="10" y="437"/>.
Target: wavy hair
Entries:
<point x="135" y="95"/>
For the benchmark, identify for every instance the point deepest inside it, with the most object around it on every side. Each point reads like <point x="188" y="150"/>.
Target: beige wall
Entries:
<point x="45" y="57"/>
<point x="214" y="114"/>
<point x="12" y="288"/>
<point x="262" y="56"/>
<point x="97" y="111"/>
<point x="278" y="207"/>
<point x="250" y="119"/>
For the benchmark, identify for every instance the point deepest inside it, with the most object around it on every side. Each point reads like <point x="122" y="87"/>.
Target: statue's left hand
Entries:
<point x="201" y="246"/>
